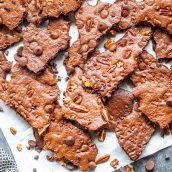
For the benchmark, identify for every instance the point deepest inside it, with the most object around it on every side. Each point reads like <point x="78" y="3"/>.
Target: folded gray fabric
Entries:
<point x="7" y="162"/>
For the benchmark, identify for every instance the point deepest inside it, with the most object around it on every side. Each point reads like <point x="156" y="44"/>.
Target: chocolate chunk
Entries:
<point x="81" y="106"/>
<point x="163" y="44"/>
<point x="8" y="37"/>
<point x="150" y="165"/>
<point x="105" y="71"/>
<point x="119" y="106"/>
<point x="11" y="13"/>
<point x="93" y="22"/>
<point x="40" y="48"/>
<point x="5" y="66"/>
<point x="29" y="94"/>
<point x="133" y="133"/>
<point x="153" y="89"/>
<point x="57" y="7"/>
<point x="155" y="12"/>
<point x="56" y="137"/>
<point x="33" y="12"/>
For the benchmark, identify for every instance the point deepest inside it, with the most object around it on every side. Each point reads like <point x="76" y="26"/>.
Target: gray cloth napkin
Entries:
<point x="7" y="162"/>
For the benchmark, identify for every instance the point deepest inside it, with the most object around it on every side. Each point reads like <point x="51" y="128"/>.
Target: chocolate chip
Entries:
<point x="38" y="51"/>
<point x="92" y="165"/>
<point x="21" y="60"/>
<point x="84" y="48"/>
<point x="167" y="157"/>
<point x="34" y="170"/>
<point x="70" y="141"/>
<point x="54" y="35"/>
<point x="36" y="157"/>
<point x="1" y="110"/>
<point x="49" y="108"/>
<point x="19" y="51"/>
<point x="169" y="102"/>
<point x="104" y="14"/>
<point x="102" y="27"/>
<point x="28" y="147"/>
<point x="32" y="143"/>
<point x="92" y="43"/>
<point x="6" y="52"/>
<point x="70" y="166"/>
<point x="66" y="79"/>
<point x="84" y="148"/>
<point x="39" y="150"/>
<point x="150" y="165"/>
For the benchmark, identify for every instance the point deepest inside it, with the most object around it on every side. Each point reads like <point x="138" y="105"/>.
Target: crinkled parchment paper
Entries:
<point x="25" y="158"/>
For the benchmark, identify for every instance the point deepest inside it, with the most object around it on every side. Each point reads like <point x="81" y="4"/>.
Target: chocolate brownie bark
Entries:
<point x="55" y="8"/>
<point x="158" y="13"/>
<point x="33" y="12"/>
<point x="5" y="66"/>
<point x="163" y="44"/>
<point x="81" y="105"/>
<point x="31" y="96"/>
<point x="42" y="45"/>
<point x="9" y="37"/>
<point x="133" y="133"/>
<point x="119" y="106"/>
<point x="105" y="71"/>
<point x="93" y="23"/>
<point x="70" y="143"/>
<point x="11" y="13"/>
<point x="153" y="89"/>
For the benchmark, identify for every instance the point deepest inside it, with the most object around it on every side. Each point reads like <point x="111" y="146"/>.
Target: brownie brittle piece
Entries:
<point x="133" y="133"/>
<point x="32" y="96"/>
<point x="105" y="71"/>
<point x="70" y="143"/>
<point x="119" y="106"/>
<point x="153" y="88"/>
<point x="33" y="12"/>
<point x="5" y="66"/>
<point x="54" y="8"/>
<point x="9" y="37"/>
<point x="158" y="13"/>
<point x="41" y="45"/>
<point x="11" y="13"/>
<point x="93" y="23"/>
<point x="81" y="105"/>
<point x="163" y="44"/>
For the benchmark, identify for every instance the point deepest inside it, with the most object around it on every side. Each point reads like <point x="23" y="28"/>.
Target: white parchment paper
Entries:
<point x="25" y="159"/>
